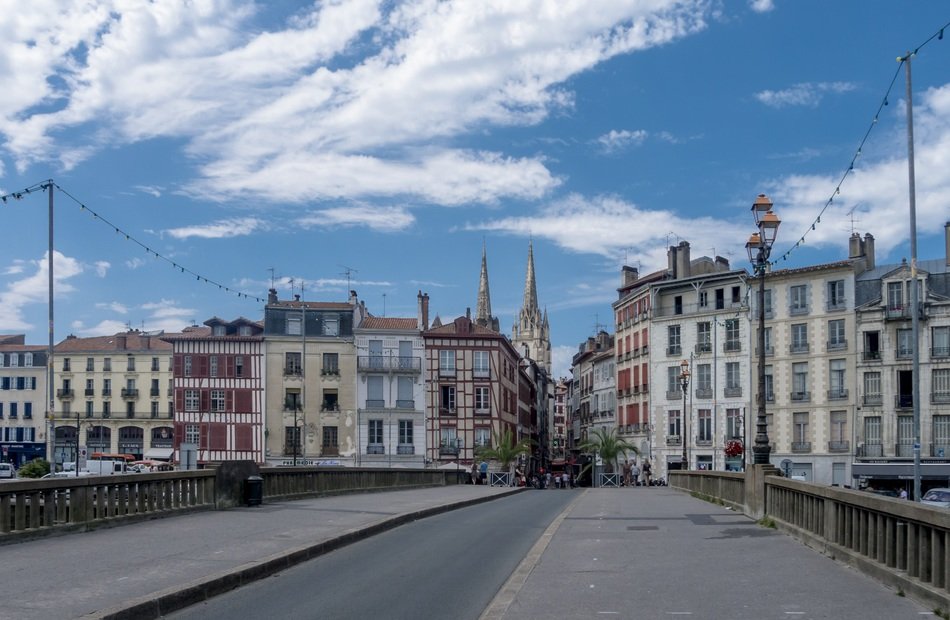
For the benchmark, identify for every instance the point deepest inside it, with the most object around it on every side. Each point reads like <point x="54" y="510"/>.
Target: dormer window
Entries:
<point x="244" y="330"/>
<point x="219" y="330"/>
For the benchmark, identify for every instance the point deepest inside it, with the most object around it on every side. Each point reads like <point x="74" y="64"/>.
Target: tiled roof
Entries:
<point x="22" y="348"/>
<point x="316" y="305"/>
<point x="134" y="341"/>
<point x="450" y="329"/>
<point x="841" y="264"/>
<point x="382" y="322"/>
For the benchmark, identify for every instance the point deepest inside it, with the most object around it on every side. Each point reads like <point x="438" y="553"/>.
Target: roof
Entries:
<point x="22" y="348"/>
<point x="931" y="266"/>
<point x="462" y="326"/>
<point x="123" y="341"/>
<point x="841" y="264"/>
<point x="382" y="322"/>
<point x="313" y="305"/>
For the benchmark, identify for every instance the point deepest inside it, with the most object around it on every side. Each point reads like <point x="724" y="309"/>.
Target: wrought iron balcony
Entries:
<point x="293" y="371"/>
<point x="840" y="304"/>
<point x="839" y="394"/>
<point x="389" y="363"/>
<point x="732" y="346"/>
<point x="65" y="394"/>
<point x="940" y="449"/>
<point x="904" y="401"/>
<point x="130" y="393"/>
<point x="871" y="356"/>
<point x="90" y="392"/>
<point x="871" y="450"/>
<point x="375" y="448"/>
<point x="405" y="404"/>
<point x="873" y="399"/>
<point x="704" y="347"/>
<point x="448" y="411"/>
<point x="798" y="347"/>
<point x="904" y="450"/>
<point x="330" y="451"/>
<point x="674" y="349"/>
<point x="704" y="393"/>
<point x="106" y="392"/>
<point x="375" y="403"/>
<point x="837" y="345"/>
<point x="940" y="352"/>
<point x="674" y="394"/>
<point x="449" y="447"/>
<point x="732" y="392"/>
<point x="839" y="446"/>
<point x="154" y="392"/>
<point x="674" y="440"/>
<point x="801" y="446"/>
<point x="940" y="397"/>
<point x="801" y="397"/>
<point x="406" y="449"/>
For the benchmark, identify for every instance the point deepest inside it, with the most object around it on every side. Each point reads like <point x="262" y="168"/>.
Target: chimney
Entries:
<point x="272" y="296"/>
<point x="468" y="314"/>
<point x="869" y="250"/>
<point x="120" y="343"/>
<point x="296" y="297"/>
<point x="855" y="247"/>
<point x="946" y="239"/>
<point x="628" y="275"/>
<point x="671" y="261"/>
<point x="352" y="299"/>
<point x="422" y="317"/>
<point x="722" y="264"/>
<point x="682" y="260"/>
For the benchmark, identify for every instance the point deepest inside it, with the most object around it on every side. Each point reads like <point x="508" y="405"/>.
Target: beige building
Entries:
<point x="117" y="391"/>
<point x="23" y="398"/>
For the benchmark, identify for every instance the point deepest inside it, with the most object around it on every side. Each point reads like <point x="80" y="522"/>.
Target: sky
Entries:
<point x="204" y="151"/>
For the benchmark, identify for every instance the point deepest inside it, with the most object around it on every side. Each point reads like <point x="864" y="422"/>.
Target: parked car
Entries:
<point x="937" y="497"/>
<point x="7" y="470"/>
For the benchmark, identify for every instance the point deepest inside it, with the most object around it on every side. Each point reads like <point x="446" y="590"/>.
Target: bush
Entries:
<point x="37" y="468"/>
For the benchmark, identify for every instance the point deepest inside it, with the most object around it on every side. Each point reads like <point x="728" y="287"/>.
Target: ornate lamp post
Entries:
<point x="759" y="247"/>
<point x="684" y="383"/>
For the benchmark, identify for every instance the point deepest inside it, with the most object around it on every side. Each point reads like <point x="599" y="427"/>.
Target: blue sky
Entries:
<point x="391" y="140"/>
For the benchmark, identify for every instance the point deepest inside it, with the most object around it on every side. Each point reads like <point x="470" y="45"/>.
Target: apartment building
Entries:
<point x="591" y="359"/>
<point x="23" y="397"/>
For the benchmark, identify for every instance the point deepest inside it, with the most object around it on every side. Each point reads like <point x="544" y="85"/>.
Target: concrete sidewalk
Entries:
<point x="146" y="569"/>
<point x="655" y="552"/>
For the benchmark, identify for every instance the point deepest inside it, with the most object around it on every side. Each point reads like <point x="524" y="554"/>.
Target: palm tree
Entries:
<point x="606" y="443"/>
<point x="504" y="449"/>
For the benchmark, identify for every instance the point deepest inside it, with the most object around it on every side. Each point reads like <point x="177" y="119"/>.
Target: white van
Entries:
<point x="7" y="470"/>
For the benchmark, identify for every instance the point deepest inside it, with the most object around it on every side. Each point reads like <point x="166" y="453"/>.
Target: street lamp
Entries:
<point x="759" y="247"/>
<point x="684" y="383"/>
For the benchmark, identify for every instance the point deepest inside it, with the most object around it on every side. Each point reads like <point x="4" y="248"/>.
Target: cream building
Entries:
<point x="23" y="398"/>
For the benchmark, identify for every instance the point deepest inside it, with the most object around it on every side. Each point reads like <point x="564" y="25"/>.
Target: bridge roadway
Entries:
<point x="625" y="553"/>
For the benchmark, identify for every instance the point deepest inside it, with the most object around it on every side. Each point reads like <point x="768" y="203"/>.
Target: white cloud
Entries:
<point x="34" y="289"/>
<point x="383" y="219"/>
<point x="805" y="94"/>
<point x="152" y="190"/>
<point x="105" y="327"/>
<point x="102" y="268"/>
<point x="762" y="6"/>
<point x="113" y="306"/>
<point x="237" y="227"/>
<point x="615" y="140"/>
<point x="135" y="263"/>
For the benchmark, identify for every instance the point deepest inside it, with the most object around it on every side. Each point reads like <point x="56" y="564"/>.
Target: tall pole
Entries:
<point x="760" y="450"/>
<point x="51" y="409"/>
<point x="303" y="374"/>
<point x="914" y="291"/>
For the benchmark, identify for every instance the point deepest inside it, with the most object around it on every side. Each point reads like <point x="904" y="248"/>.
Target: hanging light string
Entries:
<point x="44" y="185"/>
<point x="850" y="169"/>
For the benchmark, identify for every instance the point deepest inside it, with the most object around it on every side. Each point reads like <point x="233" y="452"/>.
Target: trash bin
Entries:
<point x="254" y="491"/>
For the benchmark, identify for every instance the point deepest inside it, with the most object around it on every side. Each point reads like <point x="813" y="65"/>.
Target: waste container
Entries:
<point x="253" y="491"/>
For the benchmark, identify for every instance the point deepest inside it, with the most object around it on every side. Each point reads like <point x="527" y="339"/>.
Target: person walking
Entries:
<point x="635" y="474"/>
<point x="627" y="474"/>
<point x="647" y="471"/>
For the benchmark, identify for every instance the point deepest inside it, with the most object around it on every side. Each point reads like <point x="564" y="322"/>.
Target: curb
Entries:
<point x="158" y="604"/>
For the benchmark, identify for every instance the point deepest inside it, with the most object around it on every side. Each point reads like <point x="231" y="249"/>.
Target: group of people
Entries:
<point x="632" y="474"/>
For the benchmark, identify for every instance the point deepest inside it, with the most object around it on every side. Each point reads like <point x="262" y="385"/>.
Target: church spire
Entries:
<point x="483" y="314"/>
<point x="530" y="286"/>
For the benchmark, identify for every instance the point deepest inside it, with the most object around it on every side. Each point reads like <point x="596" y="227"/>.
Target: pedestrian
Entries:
<point x="647" y="471"/>
<point x="483" y="472"/>
<point x="564" y="480"/>
<point x="635" y="474"/>
<point x="627" y="473"/>
<point x="519" y="477"/>
<point x="903" y="493"/>
<point x="474" y="472"/>
<point x="548" y="479"/>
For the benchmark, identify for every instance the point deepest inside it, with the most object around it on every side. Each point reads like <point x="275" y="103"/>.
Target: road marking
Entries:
<point x="609" y="613"/>
<point x="795" y="613"/>
<point x="680" y="613"/>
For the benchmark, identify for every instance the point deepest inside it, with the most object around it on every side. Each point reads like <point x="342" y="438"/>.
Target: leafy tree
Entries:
<point x="606" y="443"/>
<point x="504" y="449"/>
<point x="37" y="468"/>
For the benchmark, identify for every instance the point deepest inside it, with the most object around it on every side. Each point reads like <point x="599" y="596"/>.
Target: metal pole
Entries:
<point x="51" y="409"/>
<point x="914" y="291"/>
<point x="77" y="442"/>
<point x="303" y="371"/>
<point x="760" y="450"/>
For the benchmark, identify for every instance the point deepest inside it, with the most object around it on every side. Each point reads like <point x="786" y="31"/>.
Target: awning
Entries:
<point x="159" y="454"/>
<point x="900" y="471"/>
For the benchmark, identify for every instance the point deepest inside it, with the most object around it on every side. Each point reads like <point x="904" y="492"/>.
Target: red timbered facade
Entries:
<point x="219" y="391"/>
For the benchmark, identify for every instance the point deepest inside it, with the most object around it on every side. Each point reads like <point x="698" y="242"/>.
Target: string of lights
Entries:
<point x="938" y="35"/>
<point x="45" y="185"/>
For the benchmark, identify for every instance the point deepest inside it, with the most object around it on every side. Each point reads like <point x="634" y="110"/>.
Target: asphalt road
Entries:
<point x="446" y="566"/>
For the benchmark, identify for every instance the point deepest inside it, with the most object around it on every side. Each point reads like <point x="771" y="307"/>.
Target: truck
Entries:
<point x="101" y="464"/>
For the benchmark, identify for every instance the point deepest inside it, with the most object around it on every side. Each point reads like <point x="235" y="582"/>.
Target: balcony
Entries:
<point x="447" y="411"/>
<point x="375" y="404"/>
<point x="800" y="397"/>
<point x="90" y="392"/>
<point x="871" y="450"/>
<point x="839" y="394"/>
<point x="940" y="397"/>
<point x="839" y="446"/>
<point x="398" y="363"/>
<point x="375" y="448"/>
<point x="837" y="345"/>
<point x="837" y="305"/>
<point x="449" y="447"/>
<point x="107" y="392"/>
<point x="674" y="394"/>
<point x="674" y="441"/>
<point x="130" y="393"/>
<point x="330" y="372"/>
<point x="704" y="393"/>
<point x="904" y="353"/>
<point x="940" y="352"/>
<point x="732" y="392"/>
<point x="154" y="392"/>
<point x="798" y="347"/>
<point x="64" y="394"/>
<point x="290" y="449"/>
<point x="797" y="310"/>
<point x="873" y="399"/>
<point x="940" y="449"/>
<point x="330" y="407"/>
<point x="732" y="346"/>
<point x="405" y="404"/>
<point x="406" y="449"/>
<point x="903" y="313"/>
<point x="703" y="347"/>
<point x="800" y="447"/>
<point x="904" y="450"/>
<point x="293" y="371"/>
<point x="674" y="349"/>
<point x="871" y="356"/>
<point x="769" y="351"/>
<point x="446" y="372"/>
<point x="904" y="401"/>
<point x="703" y="443"/>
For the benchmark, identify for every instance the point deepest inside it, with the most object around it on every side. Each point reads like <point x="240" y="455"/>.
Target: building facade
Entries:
<point x="23" y="394"/>
<point x="218" y="392"/>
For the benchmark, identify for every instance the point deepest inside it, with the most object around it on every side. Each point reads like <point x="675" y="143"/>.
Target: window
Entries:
<point x="130" y="409"/>
<point x="244" y="330"/>
<point x="213" y="366"/>
<point x="155" y="364"/>
<point x="799" y="338"/>
<point x="703" y="381"/>
<point x="941" y="434"/>
<point x="192" y="433"/>
<point x="330" y="437"/>
<point x="836" y="336"/>
<point x="905" y="435"/>
<point x="90" y="364"/>
<point x="800" y="428"/>
<point x="905" y="343"/>
<point x="404" y="397"/>
<point x="239" y="366"/>
<point x="292" y="400"/>
<point x="704" y="432"/>
<point x="941" y="385"/>
<point x="768" y="342"/>
<point x="106" y="409"/>
<point x="732" y="335"/>
<point x="736" y="295"/>
<point x="331" y="363"/>
<point x="733" y="423"/>
<point x="375" y="433"/>
<point x="836" y="300"/>
<point x="720" y="299"/>
<point x="673" y="381"/>
<point x="217" y="400"/>
<point x="154" y="409"/>
<point x="191" y="400"/>
<point x="130" y="364"/>
<point x="448" y="440"/>
<point x="292" y="363"/>
<point x="480" y="363"/>
<point x="482" y="437"/>
<point x="187" y="363"/>
<point x="374" y="391"/>
<point x="941" y="341"/>
<point x="704" y="337"/>
<point x="331" y="327"/>
<point x="733" y="380"/>
<point x="872" y="388"/>
<point x="447" y="363"/>
<point x="292" y="440"/>
<point x="107" y="364"/>
<point x="28" y="411"/>
<point x="895" y="296"/>
<point x="798" y="299"/>
<point x="872" y="346"/>
<point x="405" y="432"/>
<point x="27" y="360"/>
<point x="673" y="430"/>
<point x="839" y="430"/>
<point x="294" y="326"/>
<point x="703" y="299"/>
<point x="678" y="304"/>
<point x="673" y="340"/>
<point x="767" y="302"/>
<point x="447" y="403"/>
<point x="836" y="380"/>
<point x="800" y="381"/>
<point x="89" y="408"/>
<point x="13" y="362"/>
<point x="375" y="350"/>
<point x="481" y="399"/>
<point x="219" y="330"/>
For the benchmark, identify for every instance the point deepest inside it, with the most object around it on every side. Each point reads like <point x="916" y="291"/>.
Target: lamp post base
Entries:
<point x="761" y="454"/>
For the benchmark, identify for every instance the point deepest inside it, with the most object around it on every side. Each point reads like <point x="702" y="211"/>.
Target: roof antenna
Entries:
<point x="348" y="271"/>
<point x="273" y="277"/>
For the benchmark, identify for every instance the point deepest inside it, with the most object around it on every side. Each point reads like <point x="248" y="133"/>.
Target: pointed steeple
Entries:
<point x="483" y="314"/>
<point x="530" y="286"/>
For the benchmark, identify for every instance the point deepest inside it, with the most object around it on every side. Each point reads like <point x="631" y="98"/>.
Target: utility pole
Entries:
<point x="51" y="409"/>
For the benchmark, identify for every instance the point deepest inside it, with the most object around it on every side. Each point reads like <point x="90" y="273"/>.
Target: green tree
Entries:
<point x="504" y="449"/>
<point x="37" y="468"/>
<point x="609" y="446"/>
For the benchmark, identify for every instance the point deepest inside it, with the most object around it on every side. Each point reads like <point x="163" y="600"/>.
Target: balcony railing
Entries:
<point x="837" y="345"/>
<point x="375" y="448"/>
<point x="899" y="313"/>
<point x="704" y="347"/>
<point x="873" y="399"/>
<point x="904" y="353"/>
<point x="940" y="352"/>
<point x="704" y="393"/>
<point x="797" y="310"/>
<point x="674" y="394"/>
<point x="904" y="401"/>
<point x="289" y="449"/>
<point x="940" y="449"/>
<point x="406" y="449"/>
<point x="871" y="356"/>
<point x="293" y="371"/>
<point x="330" y="407"/>
<point x="330" y="451"/>
<point x="905" y="450"/>
<point x="396" y="363"/>
<point x="405" y="404"/>
<point x="446" y="372"/>
<point x="673" y="441"/>
<point x="798" y="347"/>
<point x="449" y="447"/>
<point x="839" y="394"/>
<point x="801" y="446"/>
<point x="801" y="397"/>
<point x="769" y="351"/>
<point x="154" y="392"/>
<point x="64" y="393"/>
<point x="940" y="397"/>
<point x="732" y="346"/>
<point x="332" y="371"/>
<point x="106" y="392"/>
<point x="732" y="392"/>
<point x="674" y="349"/>
<point x="130" y="393"/>
<point x="482" y="411"/>
<point x="841" y="304"/>
<point x="703" y="443"/>
<point x="871" y="450"/>
<point x="839" y="446"/>
<point x="375" y="404"/>
<point x="447" y="411"/>
<point x="90" y="392"/>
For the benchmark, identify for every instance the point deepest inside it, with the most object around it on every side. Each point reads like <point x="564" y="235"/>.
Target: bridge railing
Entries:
<point x="291" y="482"/>
<point x="905" y="544"/>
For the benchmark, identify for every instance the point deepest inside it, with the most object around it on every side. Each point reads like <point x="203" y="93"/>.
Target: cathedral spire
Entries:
<point x="483" y="314"/>
<point x="530" y="286"/>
